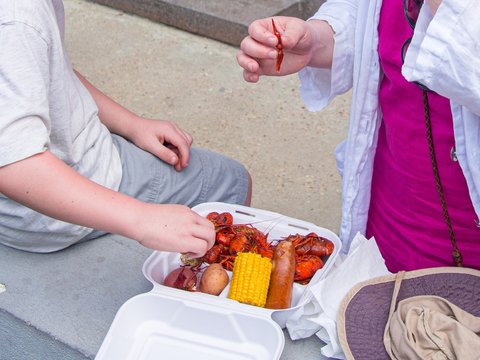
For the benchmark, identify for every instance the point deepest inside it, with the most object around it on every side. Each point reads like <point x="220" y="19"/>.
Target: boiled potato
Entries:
<point x="214" y="279"/>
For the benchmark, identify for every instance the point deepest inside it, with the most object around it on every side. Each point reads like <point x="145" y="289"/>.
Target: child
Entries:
<point x="72" y="160"/>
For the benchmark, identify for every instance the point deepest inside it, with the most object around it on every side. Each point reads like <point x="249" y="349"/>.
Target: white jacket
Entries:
<point x="444" y="55"/>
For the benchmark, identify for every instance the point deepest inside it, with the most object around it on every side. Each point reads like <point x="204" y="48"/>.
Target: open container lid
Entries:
<point x="165" y="326"/>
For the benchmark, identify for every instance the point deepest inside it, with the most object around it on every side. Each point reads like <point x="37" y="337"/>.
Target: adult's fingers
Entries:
<point x="251" y="77"/>
<point x="262" y="31"/>
<point x="294" y="33"/>
<point x="247" y="62"/>
<point x="257" y="50"/>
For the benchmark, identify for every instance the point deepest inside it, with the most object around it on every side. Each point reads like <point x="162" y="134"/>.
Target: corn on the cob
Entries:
<point x="250" y="279"/>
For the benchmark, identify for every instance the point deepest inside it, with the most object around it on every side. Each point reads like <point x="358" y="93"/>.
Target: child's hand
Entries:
<point x="174" y="228"/>
<point x="257" y="55"/>
<point x="163" y="139"/>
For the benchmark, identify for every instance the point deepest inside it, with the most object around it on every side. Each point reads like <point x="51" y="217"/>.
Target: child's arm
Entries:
<point x="46" y="184"/>
<point x="162" y="138"/>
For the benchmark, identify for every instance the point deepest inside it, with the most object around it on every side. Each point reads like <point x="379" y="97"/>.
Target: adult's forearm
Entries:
<point x="323" y="44"/>
<point x="44" y="183"/>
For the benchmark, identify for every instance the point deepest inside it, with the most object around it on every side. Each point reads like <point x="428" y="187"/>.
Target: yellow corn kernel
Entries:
<point x="250" y="279"/>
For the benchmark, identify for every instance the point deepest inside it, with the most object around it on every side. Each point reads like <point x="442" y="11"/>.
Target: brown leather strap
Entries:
<point x="456" y="255"/>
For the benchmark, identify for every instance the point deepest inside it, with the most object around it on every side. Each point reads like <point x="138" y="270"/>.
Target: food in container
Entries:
<point x="276" y="227"/>
<point x="213" y="280"/>
<point x="172" y="323"/>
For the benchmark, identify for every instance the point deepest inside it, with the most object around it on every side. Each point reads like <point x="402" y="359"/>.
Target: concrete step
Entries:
<point x="222" y="20"/>
<point x="59" y="306"/>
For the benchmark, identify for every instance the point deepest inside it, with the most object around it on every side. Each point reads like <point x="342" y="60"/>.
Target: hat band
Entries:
<point x="396" y="289"/>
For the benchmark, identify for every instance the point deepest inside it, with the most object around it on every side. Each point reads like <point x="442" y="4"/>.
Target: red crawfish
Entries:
<point x="311" y="244"/>
<point x="279" y="47"/>
<point x="231" y="239"/>
<point x="305" y="268"/>
<point x="309" y="251"/>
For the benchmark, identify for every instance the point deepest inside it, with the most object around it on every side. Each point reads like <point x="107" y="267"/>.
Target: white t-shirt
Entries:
<point x="43" y="105"/>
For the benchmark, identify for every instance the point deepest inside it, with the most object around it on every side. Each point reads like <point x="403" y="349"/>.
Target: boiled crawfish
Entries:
<point x="310" y="252"/>
<point x="231" y="239"/>
<point x="311" y="244"/>
<point x="279" y="47"/>
<point x="305" y="267"/>
<point x="222" y="219"/>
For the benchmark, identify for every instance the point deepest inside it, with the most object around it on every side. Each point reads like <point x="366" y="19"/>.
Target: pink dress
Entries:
<point x="405" y="215"/>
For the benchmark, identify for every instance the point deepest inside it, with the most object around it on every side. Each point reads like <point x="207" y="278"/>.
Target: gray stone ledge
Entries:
<point x="222" y="20"/>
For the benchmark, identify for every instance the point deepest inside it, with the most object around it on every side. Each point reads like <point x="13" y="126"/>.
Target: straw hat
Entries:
<point x="372" y="324"/>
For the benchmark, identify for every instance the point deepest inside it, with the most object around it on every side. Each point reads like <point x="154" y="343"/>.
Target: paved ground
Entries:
<point x="163" y="72"/>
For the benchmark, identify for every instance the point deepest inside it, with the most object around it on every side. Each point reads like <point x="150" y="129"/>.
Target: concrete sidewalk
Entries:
<point x="162" y="72"/>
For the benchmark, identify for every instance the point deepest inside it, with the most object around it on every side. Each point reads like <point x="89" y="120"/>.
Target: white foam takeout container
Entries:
<point x="168" y="323"/>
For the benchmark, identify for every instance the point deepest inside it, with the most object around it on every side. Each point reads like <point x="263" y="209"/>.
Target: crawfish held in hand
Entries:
<point x="279" y="47"/>
<point x="222" y="219"/>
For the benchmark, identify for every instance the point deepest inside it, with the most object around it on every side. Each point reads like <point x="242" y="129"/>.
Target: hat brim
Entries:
<point x="363" y="313"/>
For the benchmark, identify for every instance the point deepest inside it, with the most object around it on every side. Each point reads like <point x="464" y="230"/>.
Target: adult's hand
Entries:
<point x="305" y="43"/>
<point x="258" y="54"/>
